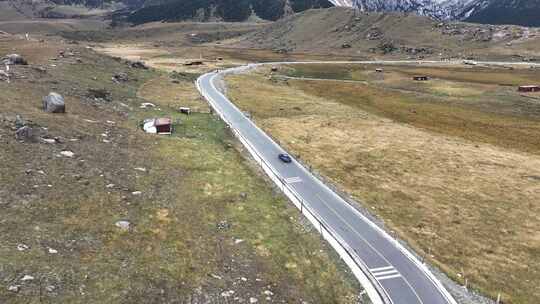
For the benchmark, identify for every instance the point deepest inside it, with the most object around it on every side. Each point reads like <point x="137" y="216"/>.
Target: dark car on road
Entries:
<point x="285" y="158"/>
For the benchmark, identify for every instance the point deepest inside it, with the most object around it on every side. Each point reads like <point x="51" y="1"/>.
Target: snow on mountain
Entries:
<point x="344" y="3"/>
<point x="489" y="10"/>
<point x="430" y="8"/>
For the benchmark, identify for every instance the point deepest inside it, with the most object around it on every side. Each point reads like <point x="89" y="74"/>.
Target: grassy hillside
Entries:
<point x="406" y="35"/>
<point x="204" y="226"/>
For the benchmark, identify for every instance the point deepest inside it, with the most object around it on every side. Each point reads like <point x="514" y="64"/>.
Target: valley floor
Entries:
<point x="451" y="164"/>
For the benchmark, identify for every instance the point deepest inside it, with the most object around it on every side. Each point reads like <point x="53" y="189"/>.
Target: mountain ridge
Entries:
<point x="517" y="12"/>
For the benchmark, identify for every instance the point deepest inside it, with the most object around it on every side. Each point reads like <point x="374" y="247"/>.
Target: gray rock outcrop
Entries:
<point x="54" y="103"/>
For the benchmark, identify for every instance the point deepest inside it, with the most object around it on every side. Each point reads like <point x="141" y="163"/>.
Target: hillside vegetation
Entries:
<point x="405" y="35"/>
<point x="523" y="12"/>
<point x="93" y="210"/>
<point x="228" y="10"/>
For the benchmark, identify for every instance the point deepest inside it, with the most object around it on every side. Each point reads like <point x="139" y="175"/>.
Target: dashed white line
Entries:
<point x="381" y="268"/>
<point x="384" y="273"/>
<point x="395" y="276"/>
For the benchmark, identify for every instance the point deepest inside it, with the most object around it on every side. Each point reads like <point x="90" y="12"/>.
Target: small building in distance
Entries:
<point x="158" y="126"/>
<point x="420" y="78"/>
<point x="529" y="88"/>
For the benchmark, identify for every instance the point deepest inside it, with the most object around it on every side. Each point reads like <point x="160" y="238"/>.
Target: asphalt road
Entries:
<point x="392" y="269"/>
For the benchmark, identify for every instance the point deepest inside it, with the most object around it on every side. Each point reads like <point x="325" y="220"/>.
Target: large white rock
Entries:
<point x="54" y="103"/>
<point x="12" y="59"/>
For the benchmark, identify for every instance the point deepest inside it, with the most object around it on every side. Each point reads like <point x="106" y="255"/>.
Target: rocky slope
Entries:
<point x="347" y="32"/>
<point x="521" y="12"/>
<point x="518" y="12"/>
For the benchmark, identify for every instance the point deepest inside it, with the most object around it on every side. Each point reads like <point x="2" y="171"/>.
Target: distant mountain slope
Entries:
<point x="228" y="10"/>
<point x="522" y="12"/>
<point x="431" y="8"/>
<point x="348" y="32"/>
<point x="518" y="12"/>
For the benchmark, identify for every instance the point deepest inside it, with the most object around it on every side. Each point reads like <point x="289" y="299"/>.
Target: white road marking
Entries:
<point x="385" y="273"/>
<point x="395" y="276"/>
<point x="369" y="244"/>
<point x="292" y="180"/>
<point x="381" y="268"/>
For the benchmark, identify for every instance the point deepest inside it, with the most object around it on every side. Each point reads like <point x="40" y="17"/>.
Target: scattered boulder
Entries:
<point x="14" y="59"/>
<point x="25" y="133"/>
<point x="387" y="47"/>
<point x="146" y="105"/>
<point x="50" y="288"/>
<point x="138" y="65"/>
<point x="19" y="121"/>
<point x="50" y="140"/>
<point x="4" y="76"/>
<point x="282" y="51"/>
<point x="223" y="225"/>
<point x="40" y="69"/>
<point x="14" y="288"/>
<point x="99" y="94"/>
<point x="120" y="77"/>
<point x="124" y="225"/>
<point x="374" y="33"/>
<point x="22" y="247"/>
<point x="54" y="103"/>
<point x="67" y="153"/>
<point x="416" y="51"/>
<point x="27" y="278"/>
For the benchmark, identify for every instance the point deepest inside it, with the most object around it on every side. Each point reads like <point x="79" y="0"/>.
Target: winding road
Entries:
<point x="387" y="270"/>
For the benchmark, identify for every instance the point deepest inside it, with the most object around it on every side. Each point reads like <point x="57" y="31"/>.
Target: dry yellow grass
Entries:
<point x="163" y="92"/>
<point x="471" y="207"/>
